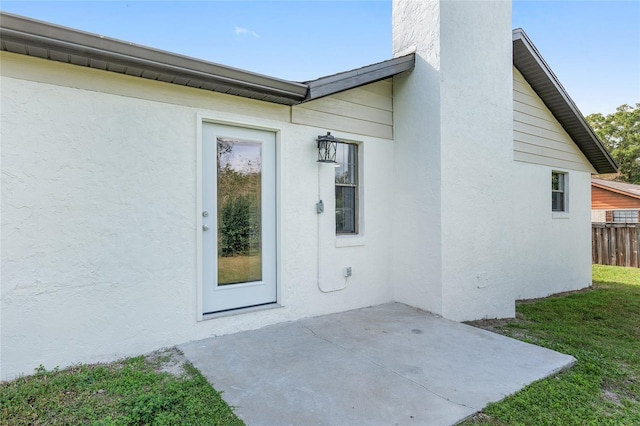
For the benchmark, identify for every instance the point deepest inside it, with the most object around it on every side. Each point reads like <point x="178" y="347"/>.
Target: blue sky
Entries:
<point x="592" y="46"/>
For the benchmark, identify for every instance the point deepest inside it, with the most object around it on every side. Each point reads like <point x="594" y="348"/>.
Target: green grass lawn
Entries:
<point x="600" y="327"/>
<point x="134" y="391"/>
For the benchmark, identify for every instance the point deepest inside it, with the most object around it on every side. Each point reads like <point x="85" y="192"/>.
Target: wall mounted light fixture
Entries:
<point x="327" y="148"/>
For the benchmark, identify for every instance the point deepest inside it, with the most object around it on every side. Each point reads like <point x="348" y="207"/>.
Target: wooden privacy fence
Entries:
<point x="615" y="244"/>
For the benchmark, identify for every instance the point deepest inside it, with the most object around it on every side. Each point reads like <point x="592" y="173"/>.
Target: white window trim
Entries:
<point x="358" y="239"/>
<point x="565" y="213"/>
<point x="349" y="240"/>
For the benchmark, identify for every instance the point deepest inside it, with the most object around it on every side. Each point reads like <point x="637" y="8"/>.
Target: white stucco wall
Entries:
<point x="477" y="133"/>
<point x="553" y="252"/>
<point x="417" y="235"/>
<point x="454" y="136"/>
<point x="99" y="216"/>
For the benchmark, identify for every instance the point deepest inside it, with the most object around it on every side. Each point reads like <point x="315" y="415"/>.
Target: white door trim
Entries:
<point x="236" y="121"/>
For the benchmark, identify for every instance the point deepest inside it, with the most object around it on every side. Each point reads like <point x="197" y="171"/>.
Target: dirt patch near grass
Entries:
<point x="595" y="286"/>
<point x="493" y="325"/>
<point x="482" y="419"/>
<point x="168" y="360"/>
<point x="496" y="325"/>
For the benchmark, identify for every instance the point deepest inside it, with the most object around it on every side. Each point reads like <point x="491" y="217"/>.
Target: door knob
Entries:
<point x="205" y="227"/>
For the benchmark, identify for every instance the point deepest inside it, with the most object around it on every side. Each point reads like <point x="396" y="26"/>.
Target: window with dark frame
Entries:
<point x="347" y="188"/>
<point x="558" y="192"/>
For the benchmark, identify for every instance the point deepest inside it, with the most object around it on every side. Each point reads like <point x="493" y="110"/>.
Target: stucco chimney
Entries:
<point x="453" y="132"/>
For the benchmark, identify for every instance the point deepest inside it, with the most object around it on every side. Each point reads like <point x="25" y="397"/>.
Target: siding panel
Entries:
<point x="524" y="137"/>
<point x="347" y="109"/>
<point x="366" y="110"/>
<point x="525" y="157"/>
<point x="603" y="199"/>
<point x="347" y="124"/>
<point x="538" y="136"/>
<point x="382" y="88"/>
<point x="362" y="97"/>
<point x="549" y="152"/>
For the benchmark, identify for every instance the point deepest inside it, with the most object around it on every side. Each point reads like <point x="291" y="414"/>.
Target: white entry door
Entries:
<point x="238" y="217"/>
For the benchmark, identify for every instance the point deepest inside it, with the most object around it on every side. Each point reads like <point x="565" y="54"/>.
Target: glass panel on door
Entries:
<point x="239" y="167"/>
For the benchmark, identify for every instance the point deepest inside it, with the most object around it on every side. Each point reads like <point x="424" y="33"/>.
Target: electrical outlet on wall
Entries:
<point x="347" y="271"/>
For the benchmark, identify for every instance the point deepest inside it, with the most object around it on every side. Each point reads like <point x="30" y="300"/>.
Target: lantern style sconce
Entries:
<point x="327" y="148"/>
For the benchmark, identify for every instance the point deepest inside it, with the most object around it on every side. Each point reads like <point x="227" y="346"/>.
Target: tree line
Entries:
<point x="620" y="134"/>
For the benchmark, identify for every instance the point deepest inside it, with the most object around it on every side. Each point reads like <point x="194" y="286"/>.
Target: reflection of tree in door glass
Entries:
<point x="239" y="164"/>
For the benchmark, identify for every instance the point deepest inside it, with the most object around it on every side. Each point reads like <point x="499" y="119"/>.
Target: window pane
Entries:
<point x="625" y="216"/>
<point x="239" y="211"/>
<point x="557" y="181"/>
<point x="346" y="179"/>
<point x="346" y="157"/>
<point x="345" y="210"/>
<point x="557" y="201"/>
<point x="558" y="192"/>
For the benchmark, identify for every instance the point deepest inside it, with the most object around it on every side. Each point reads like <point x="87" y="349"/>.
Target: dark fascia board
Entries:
<point x="535" y="70"/>
<point x="329" y="85"/>
<point x="49" y="41"/>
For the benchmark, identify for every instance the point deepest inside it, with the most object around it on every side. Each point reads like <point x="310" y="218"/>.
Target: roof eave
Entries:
<point x="48" y="41"/>
<point x="53" y="42"/>
<point x="336" y="83"/>
<point x="538" y="74"/>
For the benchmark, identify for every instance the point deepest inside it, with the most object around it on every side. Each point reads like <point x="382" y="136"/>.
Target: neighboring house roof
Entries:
<point x="44" y="40"/>
<point x="628" y="189"/>
<point x="543" y="81"/>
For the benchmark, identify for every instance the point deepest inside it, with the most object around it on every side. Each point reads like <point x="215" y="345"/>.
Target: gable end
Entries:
<point x="543" y="81"/>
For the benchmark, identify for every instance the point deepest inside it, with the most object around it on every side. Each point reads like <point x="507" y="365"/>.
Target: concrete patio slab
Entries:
<point x="385" y="365"/>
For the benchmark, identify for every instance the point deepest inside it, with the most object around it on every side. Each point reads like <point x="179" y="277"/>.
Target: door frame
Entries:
<point x="235" y="121"/>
